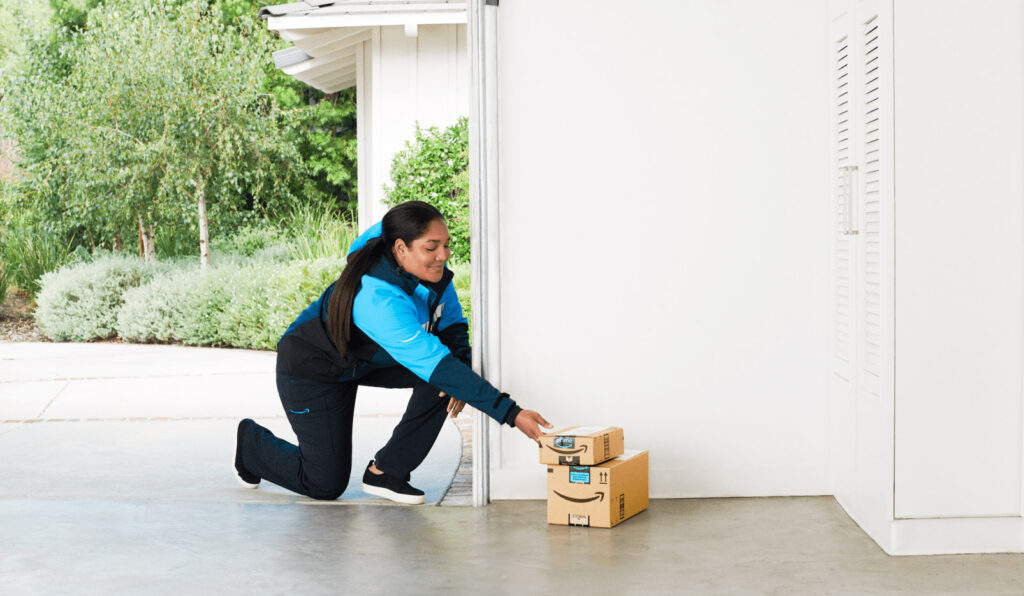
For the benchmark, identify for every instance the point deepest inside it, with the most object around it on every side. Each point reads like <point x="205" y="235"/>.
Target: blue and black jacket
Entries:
<point x="399" y="320"/>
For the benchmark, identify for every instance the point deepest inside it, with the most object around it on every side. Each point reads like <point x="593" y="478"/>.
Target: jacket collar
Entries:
<point x="387" y="269"/>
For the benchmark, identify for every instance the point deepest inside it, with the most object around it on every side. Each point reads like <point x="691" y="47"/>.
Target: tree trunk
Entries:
<point x="151" y="243"/>
<point x="142" y="241"/>
<point x="147" y="248"/>
<point x="204" y="234"/>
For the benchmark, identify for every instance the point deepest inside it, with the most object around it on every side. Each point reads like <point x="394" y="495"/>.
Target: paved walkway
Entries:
<point x="157" y="423"/>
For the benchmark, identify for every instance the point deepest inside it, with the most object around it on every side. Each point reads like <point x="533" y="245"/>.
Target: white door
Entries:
<point x="862" y="265"/>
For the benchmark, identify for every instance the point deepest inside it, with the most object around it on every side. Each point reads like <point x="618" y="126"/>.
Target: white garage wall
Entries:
<point x="663" y="188"/>
<point x="959" y="257"/>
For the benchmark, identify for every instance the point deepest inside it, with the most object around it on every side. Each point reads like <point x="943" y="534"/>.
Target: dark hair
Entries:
<point x="405" y="221"/>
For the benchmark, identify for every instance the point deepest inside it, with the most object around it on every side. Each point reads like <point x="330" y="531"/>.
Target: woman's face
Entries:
<point x="426" y="256"/>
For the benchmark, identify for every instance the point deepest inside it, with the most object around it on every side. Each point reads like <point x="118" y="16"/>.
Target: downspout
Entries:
<point x="483" y="206"/>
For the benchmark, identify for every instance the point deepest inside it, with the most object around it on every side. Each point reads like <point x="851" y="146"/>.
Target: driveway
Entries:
<point x="157" y="423"/>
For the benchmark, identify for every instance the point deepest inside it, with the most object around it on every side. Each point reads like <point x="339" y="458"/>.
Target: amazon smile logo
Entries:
<point x="582" y="448"/>
<point x="598" y="496"/>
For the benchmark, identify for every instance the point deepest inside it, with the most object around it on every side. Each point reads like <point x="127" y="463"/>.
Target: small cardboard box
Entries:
<point x="581" y="445"/>
<point x="599" y="496"/>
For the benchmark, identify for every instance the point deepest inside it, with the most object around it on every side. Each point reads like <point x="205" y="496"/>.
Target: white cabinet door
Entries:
<point x="861" y="253"/>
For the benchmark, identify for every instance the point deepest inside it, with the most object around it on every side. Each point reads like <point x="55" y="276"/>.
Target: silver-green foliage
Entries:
<point x="244" y="304"/>
<point x="81" y="301"/>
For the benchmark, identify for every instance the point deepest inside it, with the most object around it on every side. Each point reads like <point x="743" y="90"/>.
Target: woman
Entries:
<point x="391" y="320"/>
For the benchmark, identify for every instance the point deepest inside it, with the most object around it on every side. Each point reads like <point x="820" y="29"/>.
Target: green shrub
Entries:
<point x="463" y="286"/>
<point x="151" y="311"/>
<point x="81" y="301"/>
<point x="434" y="168"/>
<point x="244" y="304"/>
<point x="251" y="239"/>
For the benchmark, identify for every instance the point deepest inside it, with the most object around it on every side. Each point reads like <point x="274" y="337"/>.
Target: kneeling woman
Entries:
<point x="391" y="320"/>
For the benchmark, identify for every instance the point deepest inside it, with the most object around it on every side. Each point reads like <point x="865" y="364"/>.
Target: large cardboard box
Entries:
<point x="600" y="496"/>
<point x="581" y="445"/>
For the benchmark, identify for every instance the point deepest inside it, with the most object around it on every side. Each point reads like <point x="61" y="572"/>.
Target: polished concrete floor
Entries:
<point x="115" y="479"/>
<point x="789" y="545"/>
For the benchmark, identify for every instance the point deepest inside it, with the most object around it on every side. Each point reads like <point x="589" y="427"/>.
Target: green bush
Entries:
<point x="81" y="301"/>
<point x="151" y="311"/>
<point x="433" y="168"/>
<point x="243" y="304"/>
<point x="250" y="239"/>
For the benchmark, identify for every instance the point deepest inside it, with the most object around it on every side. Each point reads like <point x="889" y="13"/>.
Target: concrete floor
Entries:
<point x="796" y="545"/>
<point x="117" y="483"/>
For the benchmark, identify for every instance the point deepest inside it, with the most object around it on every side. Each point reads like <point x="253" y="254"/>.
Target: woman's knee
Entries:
<point x="327" y="491"/>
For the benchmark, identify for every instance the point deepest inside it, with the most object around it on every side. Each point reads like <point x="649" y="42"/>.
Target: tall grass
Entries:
<point x="319" y="233"/>
<point x="29" y="252"/>
<point x="4" y="283"/>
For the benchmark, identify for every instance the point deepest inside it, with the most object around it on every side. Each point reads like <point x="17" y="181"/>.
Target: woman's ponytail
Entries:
<point x="339" y="309"/>
<point x="406" y="222"/>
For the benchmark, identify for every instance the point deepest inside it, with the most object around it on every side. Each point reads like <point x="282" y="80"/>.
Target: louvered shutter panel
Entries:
<point x="870" y="204"/>
<point x="844" y="247"/>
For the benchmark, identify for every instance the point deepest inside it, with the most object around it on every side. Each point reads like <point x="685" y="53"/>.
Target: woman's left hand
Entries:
<point x="454" y="405"/>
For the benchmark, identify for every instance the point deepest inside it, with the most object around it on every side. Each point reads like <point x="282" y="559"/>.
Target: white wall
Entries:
<point x="663" y="188"/>
<point x="959" y="111"/>
<point x="423" y="78"/>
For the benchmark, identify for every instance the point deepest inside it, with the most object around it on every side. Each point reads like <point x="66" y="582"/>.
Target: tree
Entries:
<point x="20" y="20"/>
<point x="162" y="117"/>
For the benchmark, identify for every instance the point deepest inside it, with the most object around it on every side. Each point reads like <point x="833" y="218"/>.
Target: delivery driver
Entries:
<point x="391" y="320"/>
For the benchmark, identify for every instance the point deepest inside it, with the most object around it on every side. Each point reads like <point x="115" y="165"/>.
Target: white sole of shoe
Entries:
<point x="243" y="482"/>
<point x="393" y="496"/>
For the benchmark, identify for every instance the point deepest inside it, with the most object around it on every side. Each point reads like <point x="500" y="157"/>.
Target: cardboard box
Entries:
<point x="599" y="496"/>
<point x="581" y="445"/>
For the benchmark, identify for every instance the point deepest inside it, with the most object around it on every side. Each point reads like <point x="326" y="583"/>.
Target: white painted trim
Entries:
<point x="324" y="42"/>
<point x="342" y="59"/>
<point x="380" y="173"/>
<point x="392" y="8"/>
<point x="375" y="20"/>
<point x="957" y="535"/>
<point x="363" y="152"/>
<point x="484" y="204"/>
<point x="530" y="482"/>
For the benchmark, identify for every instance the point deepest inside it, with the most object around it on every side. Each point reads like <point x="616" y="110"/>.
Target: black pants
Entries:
<point x="321" y="416"/>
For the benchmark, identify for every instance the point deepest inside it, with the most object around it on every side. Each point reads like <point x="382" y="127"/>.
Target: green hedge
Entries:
<point x="242" y="303"/>
<point x="81" y="301"/>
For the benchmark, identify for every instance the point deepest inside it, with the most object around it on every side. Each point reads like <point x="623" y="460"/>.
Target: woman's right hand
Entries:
<point x="529" y="422"/>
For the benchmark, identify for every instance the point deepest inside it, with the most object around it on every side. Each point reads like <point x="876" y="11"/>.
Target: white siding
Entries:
<point x="419" y="78"/>
<point x="664" y="258"/>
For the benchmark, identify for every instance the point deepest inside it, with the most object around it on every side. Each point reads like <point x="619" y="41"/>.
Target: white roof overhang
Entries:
<point x="325" y="35"/>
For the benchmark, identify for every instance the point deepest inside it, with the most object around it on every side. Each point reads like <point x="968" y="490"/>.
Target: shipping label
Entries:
<point x="579" y="474"/>
<point x="576" y="519"/>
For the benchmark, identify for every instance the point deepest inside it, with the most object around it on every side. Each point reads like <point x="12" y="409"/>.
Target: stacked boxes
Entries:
<point x="592" y="479"/>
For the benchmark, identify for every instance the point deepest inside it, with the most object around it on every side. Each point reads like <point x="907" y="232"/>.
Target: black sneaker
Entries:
<point x="390" y="487"/>
<point x="245" y="477"/>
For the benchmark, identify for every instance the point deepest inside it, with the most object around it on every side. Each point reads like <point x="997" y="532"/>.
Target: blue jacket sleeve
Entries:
<point x="387" y="316"/>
